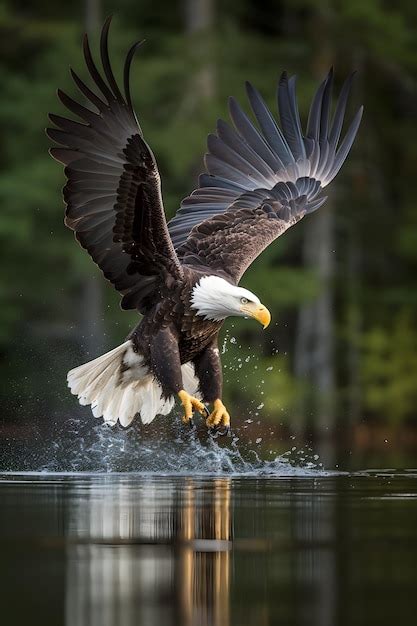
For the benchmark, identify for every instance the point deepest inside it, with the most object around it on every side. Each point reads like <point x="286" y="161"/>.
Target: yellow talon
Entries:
<point x="219" y="415"/>
<point x="190" y="404"/>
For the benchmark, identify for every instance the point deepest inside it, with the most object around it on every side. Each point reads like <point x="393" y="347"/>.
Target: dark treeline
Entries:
<point x="341" y="285"/>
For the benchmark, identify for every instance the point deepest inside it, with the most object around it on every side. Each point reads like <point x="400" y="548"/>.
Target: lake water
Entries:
<point x="304" y="548"/>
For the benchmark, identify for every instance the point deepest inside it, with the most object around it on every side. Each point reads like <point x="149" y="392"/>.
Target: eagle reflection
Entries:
<point x="154" y="553"/>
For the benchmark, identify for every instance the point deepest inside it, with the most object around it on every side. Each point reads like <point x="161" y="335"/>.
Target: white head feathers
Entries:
<point x="215" y="299"/>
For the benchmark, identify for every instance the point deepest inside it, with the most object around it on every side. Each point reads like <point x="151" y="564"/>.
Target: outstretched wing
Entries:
<point x="260" y="181"/>
<point x="113" y="193"/>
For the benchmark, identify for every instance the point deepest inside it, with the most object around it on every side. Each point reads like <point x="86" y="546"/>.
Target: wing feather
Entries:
<point x="271" y="131"/>
<point x="113" y="195"/>
<point x="290" y="118"/>
<point x="253" y="138"/>
<point x="261" y="181"/>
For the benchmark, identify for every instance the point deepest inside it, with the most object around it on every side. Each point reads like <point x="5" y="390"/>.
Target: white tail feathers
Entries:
<point x="118" y="386"/>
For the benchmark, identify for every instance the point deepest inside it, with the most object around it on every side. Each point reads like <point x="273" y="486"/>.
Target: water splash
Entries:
<point x="76" y="445"/>
<point x="104" y="449"/>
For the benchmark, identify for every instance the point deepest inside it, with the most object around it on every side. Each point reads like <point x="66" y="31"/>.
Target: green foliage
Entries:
<point x="389" y="369"/>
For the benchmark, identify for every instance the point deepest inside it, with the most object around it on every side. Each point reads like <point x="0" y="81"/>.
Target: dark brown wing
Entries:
<point x="229" y="242"/>
<point x="113" y="193"/>
<point x="261" y="181"/>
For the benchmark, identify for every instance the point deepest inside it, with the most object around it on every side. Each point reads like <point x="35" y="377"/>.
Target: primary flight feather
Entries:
<point x="183" y="276"/>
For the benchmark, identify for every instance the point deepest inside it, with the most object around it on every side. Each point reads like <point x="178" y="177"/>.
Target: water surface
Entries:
<point x="131" y="549"/>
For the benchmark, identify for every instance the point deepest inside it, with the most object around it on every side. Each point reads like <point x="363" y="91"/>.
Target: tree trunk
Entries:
<point x="314" y="358"/>
<point x="314" y="354"/>
<point x="199" y="20"/>
<point x="354" y="327"/>
<point x="92" y="16"/>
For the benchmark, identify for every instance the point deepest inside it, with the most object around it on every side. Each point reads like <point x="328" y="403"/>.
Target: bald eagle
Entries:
<point x="183" y="276"/>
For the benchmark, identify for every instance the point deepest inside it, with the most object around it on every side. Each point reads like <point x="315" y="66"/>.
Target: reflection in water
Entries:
<point x="124" y="550"/>
<point x="161" y="557"/>
<point x="316" y="569"/>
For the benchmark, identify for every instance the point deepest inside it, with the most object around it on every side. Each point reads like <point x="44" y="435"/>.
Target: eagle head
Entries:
<point x="215" y="299"/>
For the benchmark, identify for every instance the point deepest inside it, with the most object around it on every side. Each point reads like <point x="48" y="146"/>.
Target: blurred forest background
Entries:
<point x="339" y="361"/>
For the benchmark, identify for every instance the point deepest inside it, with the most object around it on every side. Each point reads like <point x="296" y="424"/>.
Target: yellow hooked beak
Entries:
<point x="259" y="312"/>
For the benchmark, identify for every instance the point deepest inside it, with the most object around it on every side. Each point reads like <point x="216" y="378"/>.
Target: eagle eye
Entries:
<point x="244" y="300"/>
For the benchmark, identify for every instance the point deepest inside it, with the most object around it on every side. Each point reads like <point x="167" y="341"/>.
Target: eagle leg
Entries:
<point x="190" y="404"/>
<point x="219" y="416"/>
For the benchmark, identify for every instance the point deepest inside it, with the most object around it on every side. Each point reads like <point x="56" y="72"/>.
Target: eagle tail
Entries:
<point x="118" y="386"/>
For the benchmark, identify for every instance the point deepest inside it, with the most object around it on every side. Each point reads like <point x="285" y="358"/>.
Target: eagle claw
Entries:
<point x="190" y="404"/>
<point x="218" y="418"/>
<point x="215" y="432"/>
